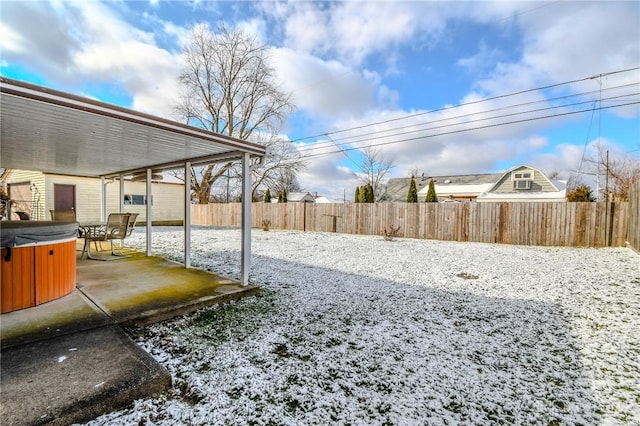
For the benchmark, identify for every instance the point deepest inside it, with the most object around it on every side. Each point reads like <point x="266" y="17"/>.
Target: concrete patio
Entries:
<point x="69" y="361"/>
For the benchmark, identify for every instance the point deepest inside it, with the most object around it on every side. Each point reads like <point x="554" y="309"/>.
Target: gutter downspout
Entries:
<point x="121" y="203"/>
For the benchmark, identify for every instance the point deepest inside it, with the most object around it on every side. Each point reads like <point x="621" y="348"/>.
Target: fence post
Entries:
<point x="610" y="224"/>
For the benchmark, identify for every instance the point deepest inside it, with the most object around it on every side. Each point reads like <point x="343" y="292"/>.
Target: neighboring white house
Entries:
<point x="524" y="183"/>
<point x="303" y="197"/>
<point x="521" y="183"/>
<point x="35" y="193"/>
<point x="300" y="197"/>
<point x="323" y="200"/>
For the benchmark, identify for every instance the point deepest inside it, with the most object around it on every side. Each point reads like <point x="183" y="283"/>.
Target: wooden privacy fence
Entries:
<point x="634" y="217"/>
<point x="546" y="224"/>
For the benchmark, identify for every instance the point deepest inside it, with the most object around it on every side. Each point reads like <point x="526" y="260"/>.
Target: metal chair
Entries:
<point x="63" y="215"/>
<point x="115" y="229"/>
<point x="132" y="223"/>
<point x="133" y="217"/>
<point x="66" y="216"/>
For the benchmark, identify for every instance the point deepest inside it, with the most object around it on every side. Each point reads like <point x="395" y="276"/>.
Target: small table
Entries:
<point x="90" y="231"/>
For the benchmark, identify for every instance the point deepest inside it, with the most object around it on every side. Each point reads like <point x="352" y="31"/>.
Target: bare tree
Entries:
<point x="280" y="167"/>
<point x="228" y="87"/>
<point x="373" y="169"/>
<point x="416" y="172"/>
<point x="619" y="172"/>
<point x="278" y="172"/>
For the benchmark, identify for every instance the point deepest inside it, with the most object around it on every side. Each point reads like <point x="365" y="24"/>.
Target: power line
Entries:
<point x="418" y="126"/>
<point x="466" y="104"/>
<point x="474" y="128"/>
<point x="343" y="151"/>
<point x="353" y="140"/>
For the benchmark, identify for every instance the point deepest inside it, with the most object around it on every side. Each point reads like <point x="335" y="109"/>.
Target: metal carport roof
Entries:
<point x="55" y="132"/>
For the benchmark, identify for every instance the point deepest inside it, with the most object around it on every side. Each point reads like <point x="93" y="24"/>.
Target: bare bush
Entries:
<point x="390" y="233"/>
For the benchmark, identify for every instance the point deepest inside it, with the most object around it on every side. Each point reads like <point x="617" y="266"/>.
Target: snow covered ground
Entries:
<point x="359" y="330"/>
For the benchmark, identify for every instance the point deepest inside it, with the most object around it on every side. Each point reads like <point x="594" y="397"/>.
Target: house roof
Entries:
<point x="299" y="196"/>
<point x="475" y="185"/>
<point x="523" y="166"/>
<point x="398" y="188"/>
<point x="443" y="189"/>
<point x="56" y="132"/>
<point x="323" y="200"/>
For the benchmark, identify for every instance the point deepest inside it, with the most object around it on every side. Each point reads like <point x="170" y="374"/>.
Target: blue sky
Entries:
<point x="389" y="66"/>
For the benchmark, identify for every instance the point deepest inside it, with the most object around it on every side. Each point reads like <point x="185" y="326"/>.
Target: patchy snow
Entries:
<point x="359" y="330"/>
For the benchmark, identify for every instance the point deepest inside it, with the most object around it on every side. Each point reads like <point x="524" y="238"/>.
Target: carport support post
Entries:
<point x="148" y="202"/>
<point x="187" y="215"/>
<point x="246" y="219"/>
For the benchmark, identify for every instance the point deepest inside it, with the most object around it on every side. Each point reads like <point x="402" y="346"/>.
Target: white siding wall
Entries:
<point x="87" y="195"/>
<point x="37" y="207"/>
<point x="168" y="198"/>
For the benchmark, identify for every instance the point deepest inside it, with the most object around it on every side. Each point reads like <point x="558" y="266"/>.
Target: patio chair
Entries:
<point x="115" y="229"/>
<point x="133" y="217"/>
<point x="132" y="223"/>
<point x="66" y="216"/>
<point x="63" y="215"/>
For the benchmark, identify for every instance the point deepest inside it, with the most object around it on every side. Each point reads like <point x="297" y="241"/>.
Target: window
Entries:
<point x="522" y="179"/>
<point x="522" y="184"/>
<point x="135" y="200"/>
<point x="523" y="175"/>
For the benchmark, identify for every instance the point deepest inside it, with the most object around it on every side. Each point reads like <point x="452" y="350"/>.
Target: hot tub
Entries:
<point x="38" y="262"/>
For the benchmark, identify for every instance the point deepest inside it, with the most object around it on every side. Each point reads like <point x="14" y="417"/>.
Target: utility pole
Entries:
<point x="607" y="205"/>
<point x="606" y="179"/>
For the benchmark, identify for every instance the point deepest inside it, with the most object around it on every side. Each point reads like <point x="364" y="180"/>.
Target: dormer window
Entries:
<point x="522" y="179"/>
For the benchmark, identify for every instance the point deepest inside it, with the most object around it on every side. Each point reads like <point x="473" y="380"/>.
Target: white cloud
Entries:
<point x="147" y="72"/>
<point x="582" y="39"/>
<point x="362" y="28"/>
<point x="327" y="89"/>
<point x="326" y="178"/>
<point x="37" y="34"/>
<point x="254" y="27"/>
<point x="305" y="28"/>
<point x="180" y="33"/>
<point x="566" y="159"/>
<point x="351" y="31"/>
<point x="11" y="40"/>
<point x="88" y="41"/>
<point x="570" y="40"/>
<point x="485" y="58"/>
<point x="536" y="142"/>
<point x="325" y="175"/>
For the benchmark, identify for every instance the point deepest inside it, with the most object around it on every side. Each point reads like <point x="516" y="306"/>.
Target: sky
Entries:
<point x="439" y="88"/>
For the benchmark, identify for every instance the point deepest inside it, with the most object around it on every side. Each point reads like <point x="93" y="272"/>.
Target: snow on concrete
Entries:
<point x="359" y="330"/>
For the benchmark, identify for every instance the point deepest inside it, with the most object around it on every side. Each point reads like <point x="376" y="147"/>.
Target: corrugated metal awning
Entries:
<point x="55" y="132"/>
